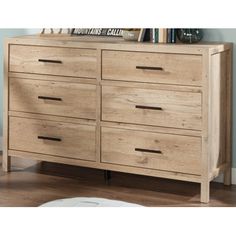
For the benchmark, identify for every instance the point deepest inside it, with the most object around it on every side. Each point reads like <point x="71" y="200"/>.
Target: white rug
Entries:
<point x="88" y="202"/>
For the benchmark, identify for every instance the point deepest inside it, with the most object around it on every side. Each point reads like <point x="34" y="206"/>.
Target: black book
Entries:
<point x="169" y="35"/>
<point x="147" y="35"/>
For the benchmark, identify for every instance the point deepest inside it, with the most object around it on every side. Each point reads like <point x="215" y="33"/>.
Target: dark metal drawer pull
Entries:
<point x="49" y="98"/>
<point x="148" y="150"/>
<point x="149" y="68"/>
<point x="50" y="61"/>
<point x="148" y="107"/>
<point x="49" y="138"/>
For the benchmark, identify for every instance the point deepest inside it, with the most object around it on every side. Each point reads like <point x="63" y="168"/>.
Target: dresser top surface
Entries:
<point x="116" y="43"/>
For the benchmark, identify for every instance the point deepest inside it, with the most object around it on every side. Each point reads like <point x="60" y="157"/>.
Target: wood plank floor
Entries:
<point x="31" y="184"/>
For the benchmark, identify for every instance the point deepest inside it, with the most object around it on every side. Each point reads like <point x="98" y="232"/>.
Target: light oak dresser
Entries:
<point x="151" y="109"/>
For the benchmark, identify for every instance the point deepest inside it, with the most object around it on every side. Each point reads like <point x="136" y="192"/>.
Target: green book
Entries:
<point x="156" y="35"/>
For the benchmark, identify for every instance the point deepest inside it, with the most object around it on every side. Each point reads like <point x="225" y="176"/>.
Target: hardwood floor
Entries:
<point x="31" y="184"/>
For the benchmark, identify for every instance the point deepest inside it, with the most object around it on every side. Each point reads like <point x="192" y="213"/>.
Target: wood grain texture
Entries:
<point x="177" y="153"/>
<point x="178" y="109"/>
<point x="77" y="141"/>
<point x="207" y="129"/>
<point x="98" y="107"/>
<point x="229" y="117"/>
<point x="175" y="69"/>
<point x="151" y="128"/>
<point x="55" y="78"/>
<point x="52" y="118"/>
<point x="106" y="166"/>
<point x="74" y="62"/>
<point x="76" y="100"/>
<point x="6" y="162"/>
<point x="218" y="109"/>
<point x="179" y="95"/>
<point x="169" y="87"/>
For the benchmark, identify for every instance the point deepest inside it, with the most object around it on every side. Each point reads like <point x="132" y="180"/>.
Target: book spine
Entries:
<point x="173" y="35"/>
<point x="151" y="35"/>
<point x="165" y="36"/>
<point x="140" y="35"/>
<point x="169" y="35"/>
<point x="143" y="35"/>
<point x="147" y="35"/>
<point x="156" y="35"/>
<point x="161" y="34"/>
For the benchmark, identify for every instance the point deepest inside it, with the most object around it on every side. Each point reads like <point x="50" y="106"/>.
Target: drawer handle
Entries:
<point x="49" y="98"/>
<point x="148" y="150"/>
<point x="50" y="61"/>
<point x="149" y="68"/>
<point x="49" y="138"/>
<point x="148" y="107"/>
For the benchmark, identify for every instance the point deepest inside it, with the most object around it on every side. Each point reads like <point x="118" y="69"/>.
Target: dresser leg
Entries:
<point x="205" y="191"/>
<point x="107" y="176"/>
<point x="228" y="176"/>
<point x="6" y="163"/>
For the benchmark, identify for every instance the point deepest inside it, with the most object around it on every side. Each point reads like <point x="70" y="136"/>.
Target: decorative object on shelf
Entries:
<point x="55" y="31"/>
<point x="189" y="35"/>
<point x="47" y="31"/>
<point x="131" y="34"/>
<point x="115" y="32"/>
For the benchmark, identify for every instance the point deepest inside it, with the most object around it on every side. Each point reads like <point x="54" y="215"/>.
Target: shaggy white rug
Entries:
<point x="88" y="202"/>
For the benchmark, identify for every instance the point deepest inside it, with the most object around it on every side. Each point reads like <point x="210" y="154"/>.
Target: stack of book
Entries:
<point x="154" y="35"/>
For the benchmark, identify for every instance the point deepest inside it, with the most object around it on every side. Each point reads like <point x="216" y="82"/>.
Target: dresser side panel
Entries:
<point x="218" y="109"/>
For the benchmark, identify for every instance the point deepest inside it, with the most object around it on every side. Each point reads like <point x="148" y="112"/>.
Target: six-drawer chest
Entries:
<point x="161" y="110"/>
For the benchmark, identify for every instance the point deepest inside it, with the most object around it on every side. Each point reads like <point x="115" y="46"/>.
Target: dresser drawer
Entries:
<point x="53" y="61"/>
<point x="53" y="98"/>
<point x="152" y="67"/>
<point x="152" y="107"/>
<point x="52" y="138"/>
<point x="151" y="150"/>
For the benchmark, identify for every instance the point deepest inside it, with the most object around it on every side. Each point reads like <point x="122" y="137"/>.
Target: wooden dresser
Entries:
<point x="151" y="109"/>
